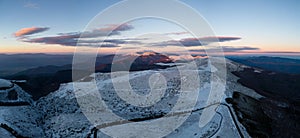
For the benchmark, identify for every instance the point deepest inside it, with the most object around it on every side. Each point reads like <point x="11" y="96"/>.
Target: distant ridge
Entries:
<point x="276" y="64"/>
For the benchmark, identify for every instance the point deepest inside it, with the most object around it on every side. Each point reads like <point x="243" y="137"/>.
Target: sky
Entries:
<point x="248" y="26"/>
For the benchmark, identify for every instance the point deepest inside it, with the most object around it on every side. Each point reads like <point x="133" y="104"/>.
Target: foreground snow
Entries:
<point x="59" y="114"/>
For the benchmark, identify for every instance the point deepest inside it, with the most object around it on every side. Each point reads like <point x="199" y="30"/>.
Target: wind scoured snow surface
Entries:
<point x="59" y="114"/>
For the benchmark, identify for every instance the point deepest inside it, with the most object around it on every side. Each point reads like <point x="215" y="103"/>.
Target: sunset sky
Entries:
<point x="29" y="26"/>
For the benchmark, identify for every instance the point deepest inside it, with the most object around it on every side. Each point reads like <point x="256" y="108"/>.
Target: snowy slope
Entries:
<point x="59" y="114"/>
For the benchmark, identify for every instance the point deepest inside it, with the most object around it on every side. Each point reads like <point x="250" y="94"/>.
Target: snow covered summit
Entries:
<point x="60" y="114"/>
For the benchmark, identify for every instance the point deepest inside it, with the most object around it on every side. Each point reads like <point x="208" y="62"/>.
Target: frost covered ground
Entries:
<point x="59" y="114"/>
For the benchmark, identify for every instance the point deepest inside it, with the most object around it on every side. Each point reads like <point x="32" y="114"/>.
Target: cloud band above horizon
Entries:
<point x="30" y="31"/>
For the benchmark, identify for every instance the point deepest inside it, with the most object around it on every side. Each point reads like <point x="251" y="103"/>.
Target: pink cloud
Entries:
<point x="30" y="31"/>
<point x="117" y="27"/>
<point x="189" y="42"/>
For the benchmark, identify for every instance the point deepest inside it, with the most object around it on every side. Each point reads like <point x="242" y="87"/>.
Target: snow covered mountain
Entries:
<point x="59" y="114"/>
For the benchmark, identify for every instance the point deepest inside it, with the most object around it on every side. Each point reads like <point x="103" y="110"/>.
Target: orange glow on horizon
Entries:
<point x="52" y="49"/>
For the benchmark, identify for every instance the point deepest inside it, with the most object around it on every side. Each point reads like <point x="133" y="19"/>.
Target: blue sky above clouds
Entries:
<point x="269" y="25"/>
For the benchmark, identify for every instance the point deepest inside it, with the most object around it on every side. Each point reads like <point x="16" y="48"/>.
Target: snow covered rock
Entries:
<point x="12" y="94"/>
<point x="18" y="117"/>
<point x="5" y="84"/>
